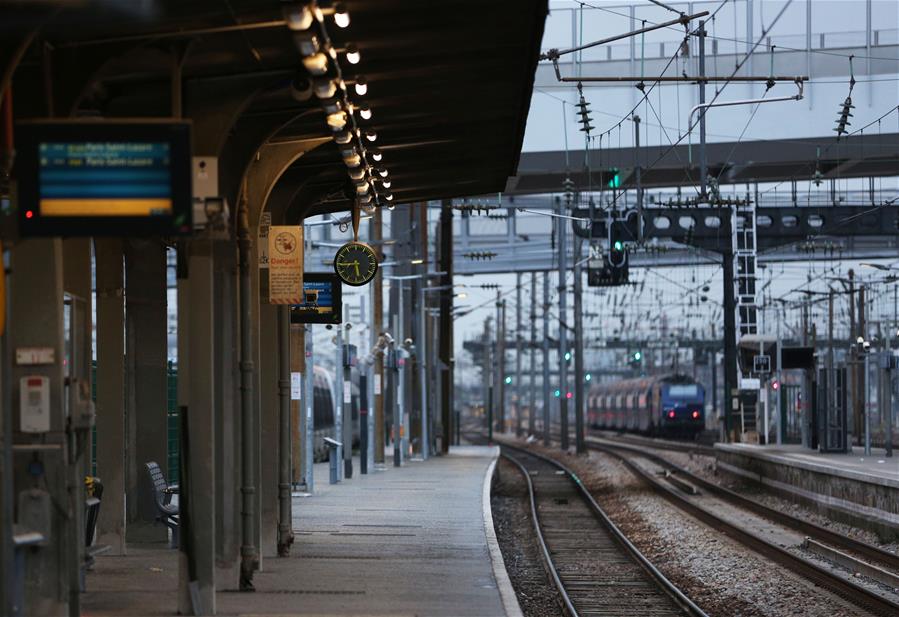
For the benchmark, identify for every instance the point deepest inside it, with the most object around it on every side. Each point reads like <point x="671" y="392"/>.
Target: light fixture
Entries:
<point x="361" y="86"/>
<point x="306" y="42"/>
<point x="390" y="207"/>
<point x="860" y="340"/>
<point x="382" y="172"/>
<point x="365" y="112"/>
<point x="331" y="106"/>
<point x="336" y="120"/>
<point x="417" y="262"/>
<point x="371" y="135"/>
<point x="357" y="174"/>
<point x="388" y="196"/>
<point x="298" y="17"/>
<point x="462" y="295"/>
<point x="325" y="88"/>
<point x="362" y="189"/>
<point x="316" y="64"/>
<point x="375" y="154"/>
<point x="385" y="184"/>
<point x="343" y="137"/>
<point x="353" y="161"/>
<point x="352" y="54"/>
<point x="341" y="17"/>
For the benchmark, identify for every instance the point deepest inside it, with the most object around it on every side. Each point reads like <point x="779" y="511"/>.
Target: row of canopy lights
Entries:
<point x="344" y="117"/>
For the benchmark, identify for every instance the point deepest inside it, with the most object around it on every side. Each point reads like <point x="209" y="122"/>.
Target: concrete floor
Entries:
<point x="407" y="541"/>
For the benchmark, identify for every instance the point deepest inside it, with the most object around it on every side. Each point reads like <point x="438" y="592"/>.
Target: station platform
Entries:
<point x="857" y="489"/>
<point x="417" y="540"/>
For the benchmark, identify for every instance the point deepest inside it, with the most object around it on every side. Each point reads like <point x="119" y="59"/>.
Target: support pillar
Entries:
<point x="196" y="563"/>
<point x="227" y="419"/>
<point x="110" y="404"/>
<point x="146" y="352"/>
<point x="267" y="476"/>
<point x="36" y="320"/>
<point x="730" y="345"/>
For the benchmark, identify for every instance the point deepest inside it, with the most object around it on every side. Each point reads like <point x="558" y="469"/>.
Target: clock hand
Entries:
<point x="357" y="268"/>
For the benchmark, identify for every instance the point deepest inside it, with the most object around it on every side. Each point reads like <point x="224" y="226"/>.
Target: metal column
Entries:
<point x="532" y="407"/>
<point x="546" y="385"/>
<point x="518" y="389"/>
<point x="309" y="413"/>
<point x="563" y="329"/>
<point x="579" y="402"/>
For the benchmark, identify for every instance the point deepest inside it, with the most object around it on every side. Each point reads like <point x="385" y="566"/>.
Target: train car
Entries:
<point x="671" y="406"/>
<point x="323" y="410"/>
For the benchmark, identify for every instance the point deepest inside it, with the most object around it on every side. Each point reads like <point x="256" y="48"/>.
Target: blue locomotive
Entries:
<point x="672" y="405"/>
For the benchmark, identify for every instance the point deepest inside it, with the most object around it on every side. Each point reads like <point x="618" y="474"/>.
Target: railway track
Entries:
<point x="816" y="532"/>
<point x="863" y="597"/>
<point x="595" y="568"/>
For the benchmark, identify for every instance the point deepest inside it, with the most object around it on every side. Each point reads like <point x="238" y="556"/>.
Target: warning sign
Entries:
<point x="285" y="264"/>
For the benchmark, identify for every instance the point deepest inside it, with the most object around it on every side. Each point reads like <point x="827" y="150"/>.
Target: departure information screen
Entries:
<point x="105" y="179"/>
<point x="322" y="299"/>
<point x="89" y="177"/>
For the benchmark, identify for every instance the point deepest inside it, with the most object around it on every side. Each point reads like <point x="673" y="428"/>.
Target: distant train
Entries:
<point x="670" y="406"/>
<point x="323" y="411"/>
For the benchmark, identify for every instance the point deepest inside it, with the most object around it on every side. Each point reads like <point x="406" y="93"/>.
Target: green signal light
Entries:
<point x="588" y="377"/>
<point x="509" y="379"/>
<point x="567" y="355"/>
<point x="615" y="181"/>
<point x="558" y="393"/>
<point x="619" y="245"/>
<point x="638" y="356"/>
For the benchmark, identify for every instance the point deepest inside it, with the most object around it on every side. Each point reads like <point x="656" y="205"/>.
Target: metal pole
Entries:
<point x="377" y="312"/>
<point x="865" y="408"/>
<point x="499" y="368"/>
<point x="309" y="436"/>
<point x="422" y="347"/>
<point x="446" y="307"/>
<point x="363" y="423"/>
<point x="347" y="417"/>
<point x="518" y="386"/>
<point x="285" y="526"/>
<point x="532" y="407"/>
<point x="399" y="438"/>
<point x="730" y="342"/>
<point x="338" y="397"/>
<point x="703" y="162"/>
<point x="580" y="446"/>
<point x="248" y="553"/>
<point x="546" y="385"/>
<point x="829" y="399"/>
<point x="639" y="172"/>
<point x="563" y="333"/>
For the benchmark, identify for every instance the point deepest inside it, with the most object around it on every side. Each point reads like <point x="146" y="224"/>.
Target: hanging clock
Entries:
<point x="356" y="263"/>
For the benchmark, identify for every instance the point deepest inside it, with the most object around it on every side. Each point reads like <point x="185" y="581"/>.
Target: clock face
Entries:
<point x="355" y="263"/>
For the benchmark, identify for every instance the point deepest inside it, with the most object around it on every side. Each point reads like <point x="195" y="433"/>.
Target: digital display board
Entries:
<point x="322" y="295"/>
<point x="94" y="178"/>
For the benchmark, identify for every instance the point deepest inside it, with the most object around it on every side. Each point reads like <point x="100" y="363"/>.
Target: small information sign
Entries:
<point x="296" y="386"/>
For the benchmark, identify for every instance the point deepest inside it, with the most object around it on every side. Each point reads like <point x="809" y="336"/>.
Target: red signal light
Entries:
<point x="775" y="384"/>
<point x="671" y="414"/>
<point x="29" y="214"/>
<point x="695" y="415"/>
<point x="568" y="395"/>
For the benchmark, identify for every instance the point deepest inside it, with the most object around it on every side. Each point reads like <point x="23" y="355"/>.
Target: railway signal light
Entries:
<point x="558" y="393"/>
<point x="567" y="356"/>
<point x="508" y="379"/>
<point x="615" y="181"/>
<point x="588" y="377"/>
<point x="618" y="234"/>
<point x="775" y="385"/>
<point x="568" y="395"/>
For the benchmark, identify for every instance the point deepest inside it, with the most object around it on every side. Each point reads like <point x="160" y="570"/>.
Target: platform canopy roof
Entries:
<point x="449" y="82"/>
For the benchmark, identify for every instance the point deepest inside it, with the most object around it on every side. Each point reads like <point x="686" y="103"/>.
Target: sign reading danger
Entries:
<point x="285" y="264"/>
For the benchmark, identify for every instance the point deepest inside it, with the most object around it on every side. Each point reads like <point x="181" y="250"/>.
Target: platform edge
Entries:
<point x="500" y="575"/>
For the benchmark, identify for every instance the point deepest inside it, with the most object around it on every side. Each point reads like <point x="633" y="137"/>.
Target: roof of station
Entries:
<point x="449" y="83"/>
